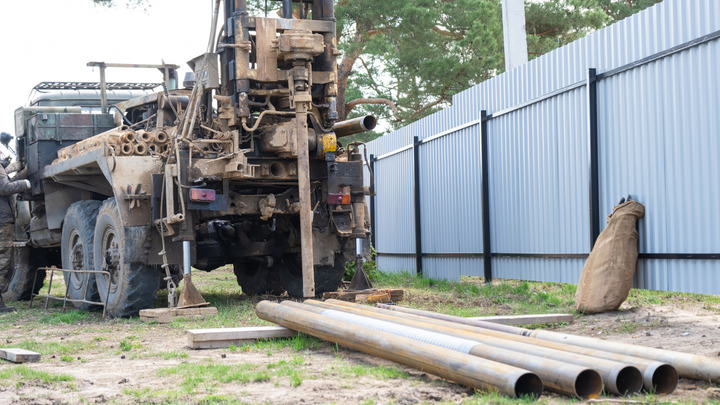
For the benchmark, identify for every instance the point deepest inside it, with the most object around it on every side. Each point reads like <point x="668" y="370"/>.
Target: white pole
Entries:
<point x="514" y="33"/>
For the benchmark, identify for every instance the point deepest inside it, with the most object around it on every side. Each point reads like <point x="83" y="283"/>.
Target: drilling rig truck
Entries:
<point x="242" y="166"/>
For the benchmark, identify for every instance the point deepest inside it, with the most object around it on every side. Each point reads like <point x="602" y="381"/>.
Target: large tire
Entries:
<point x="132" y="286"/>
<point x="327" y="278"/>
<point x="26" y="261"/>
<point x="257" y="279"/>
<point x="77" y="252"/>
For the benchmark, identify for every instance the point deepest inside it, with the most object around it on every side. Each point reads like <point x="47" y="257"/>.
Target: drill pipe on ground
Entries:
<point x="462" y="368"/>
<point x="657" y="376"/>
<point x="563" y="378"/>
<point x="619" y="378"/>
<point x="687" y="365"/>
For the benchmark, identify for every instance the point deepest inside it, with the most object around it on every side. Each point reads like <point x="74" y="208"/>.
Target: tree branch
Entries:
<point x="448" y="33"/>
<point x="393" y="107"/>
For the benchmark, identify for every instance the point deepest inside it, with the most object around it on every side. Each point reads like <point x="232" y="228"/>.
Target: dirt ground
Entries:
<point x="105" y="374"/>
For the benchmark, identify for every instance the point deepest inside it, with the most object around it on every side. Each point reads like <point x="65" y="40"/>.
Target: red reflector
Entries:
<point x="201" y="194"/>
<point x="339" y="199"/>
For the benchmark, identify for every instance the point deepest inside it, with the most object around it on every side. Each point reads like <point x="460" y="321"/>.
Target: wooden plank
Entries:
<point x="395" y="295"/>
<point x="526" y="319"/>
<point x="19" y="355"/>
<point x="166" y="315"/>
<point x="224" y="337"/>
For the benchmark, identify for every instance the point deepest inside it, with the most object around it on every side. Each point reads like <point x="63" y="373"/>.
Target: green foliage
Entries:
<point x="67" y="358"/>
<point x="370" y="269"/>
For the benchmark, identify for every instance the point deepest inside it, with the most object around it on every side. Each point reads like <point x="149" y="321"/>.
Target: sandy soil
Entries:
<point x="103" y="375"/>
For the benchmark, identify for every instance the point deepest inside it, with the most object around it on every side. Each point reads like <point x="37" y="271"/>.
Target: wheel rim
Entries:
<point x="77" y="259"/>
<point x="111" y="257"/>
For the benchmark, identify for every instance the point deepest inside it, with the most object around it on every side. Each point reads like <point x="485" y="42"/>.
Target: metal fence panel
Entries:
<point x="657" y="138"/>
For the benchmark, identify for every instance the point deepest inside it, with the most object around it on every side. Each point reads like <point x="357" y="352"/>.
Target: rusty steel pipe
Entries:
<point x="461" y="368"/>
<point x="563" y="378"/>
<point x="658" y="376"/>
<point x="619" y="378"/>
<point x="687" y="365"/>
<point x="354" y="126"/>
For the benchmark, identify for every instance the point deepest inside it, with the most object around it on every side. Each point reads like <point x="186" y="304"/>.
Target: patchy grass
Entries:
<point x="473" y="297"/>
<point x="208" y="375"/>
<point x="53" y="348"/>
<point x="69" y="317"/>
<point x="353" y="369"/>
<point x="23" y="375"/>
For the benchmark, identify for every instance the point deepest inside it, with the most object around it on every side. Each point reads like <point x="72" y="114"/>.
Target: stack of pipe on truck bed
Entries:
<point x="492" y="357"/>
<point x="123" y="140"/>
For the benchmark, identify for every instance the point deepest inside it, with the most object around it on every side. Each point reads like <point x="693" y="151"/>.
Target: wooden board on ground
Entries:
<point x="373" y="298"/>
<point x="224" y="337"/>
<point x="166" y="315"/>
<point x="19" y="355"/>
<point x="527" y="319"/>
<point x="395" y="295"/>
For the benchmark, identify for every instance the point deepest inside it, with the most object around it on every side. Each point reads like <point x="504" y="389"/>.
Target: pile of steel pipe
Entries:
<point x="564" y="368"/>
<point x="686" y="365"/>
<point x="449" y="363"/>
<point x="123" y="140"/>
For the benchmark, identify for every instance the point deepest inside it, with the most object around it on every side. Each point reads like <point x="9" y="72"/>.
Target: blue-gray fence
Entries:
<point x="516" y="178"/>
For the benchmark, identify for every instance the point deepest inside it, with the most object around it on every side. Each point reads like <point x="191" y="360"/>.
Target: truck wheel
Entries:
<point x="327" y="278"/>
<point x="26" y="261"/>
<point x="256" y="279"/>
<point x="132" y="286"/>
<point x="77" y="252"/>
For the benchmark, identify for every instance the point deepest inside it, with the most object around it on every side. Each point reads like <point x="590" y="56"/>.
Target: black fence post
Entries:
<point x="487" y="250"/>
<point x="373" y="228"/>
<point x="416" y="181"/>
<point x="594" y="182"/>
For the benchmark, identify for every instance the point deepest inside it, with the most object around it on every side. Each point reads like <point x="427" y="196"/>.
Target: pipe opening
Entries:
<point x="161" y="137"/>
<point x="588" y="384"/>
<point x="126" y="148"/>
<point x="665" y="379"/>
<point x="629" y="381"/>
<point x="369" y="122"/>
<point x="528" y="385"/>
<point x="144" y="136"/>
<point x="140" y="148"/>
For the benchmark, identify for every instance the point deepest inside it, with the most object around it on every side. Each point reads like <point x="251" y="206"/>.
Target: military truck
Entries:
<point x="243" y="166"/>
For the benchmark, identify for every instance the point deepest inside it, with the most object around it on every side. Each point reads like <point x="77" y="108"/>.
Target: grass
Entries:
<point x="352" y="369"/>
<point x="53" y="348"/>
<point x="208" y="375"/>
<point x="24" y="374"/>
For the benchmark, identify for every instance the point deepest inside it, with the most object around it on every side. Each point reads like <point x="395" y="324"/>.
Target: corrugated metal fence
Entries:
<point x="526" y="166"/>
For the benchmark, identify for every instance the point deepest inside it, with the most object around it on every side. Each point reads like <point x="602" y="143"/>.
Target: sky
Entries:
<point x="53" y="40"/>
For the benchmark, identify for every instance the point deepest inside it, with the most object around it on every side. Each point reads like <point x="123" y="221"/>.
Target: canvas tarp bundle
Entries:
<point x="607" y="276"/>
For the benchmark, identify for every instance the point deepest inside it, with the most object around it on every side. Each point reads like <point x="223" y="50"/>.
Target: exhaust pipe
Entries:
<point x="619" y="378"/>
<point x="658" y="375"/>
<point x="354" y="126"/>
<point x="449" y="364"/>
<point x="563" y="378"/>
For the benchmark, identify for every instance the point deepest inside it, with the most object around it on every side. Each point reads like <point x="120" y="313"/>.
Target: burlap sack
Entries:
<point x="607" y="277"/>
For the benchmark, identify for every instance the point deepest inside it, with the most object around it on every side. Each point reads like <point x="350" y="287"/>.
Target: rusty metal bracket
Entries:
<point x="65" y="299"/>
